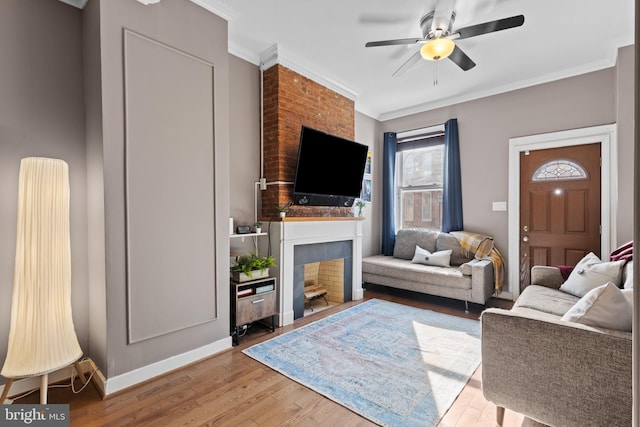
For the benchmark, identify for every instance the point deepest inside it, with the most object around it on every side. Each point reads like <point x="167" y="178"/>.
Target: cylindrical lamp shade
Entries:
<point x="42" y="337"/>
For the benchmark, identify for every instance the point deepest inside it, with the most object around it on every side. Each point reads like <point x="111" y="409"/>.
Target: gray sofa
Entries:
<point x="557" y="372"/>
<point x="466" y="279"/>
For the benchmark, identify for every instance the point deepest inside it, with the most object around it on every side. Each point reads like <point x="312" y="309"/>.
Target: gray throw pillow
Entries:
<point x="445" y="242"/>
<point x="408" y="239"/>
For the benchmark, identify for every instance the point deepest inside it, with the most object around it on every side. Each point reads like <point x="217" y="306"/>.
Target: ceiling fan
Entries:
<point x="438" y="37"/>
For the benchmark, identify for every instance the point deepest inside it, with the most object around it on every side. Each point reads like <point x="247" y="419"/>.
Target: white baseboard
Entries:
<point x="112" y="385"/>
<point x="139" y="375"/>
<point x="505" y="295"/>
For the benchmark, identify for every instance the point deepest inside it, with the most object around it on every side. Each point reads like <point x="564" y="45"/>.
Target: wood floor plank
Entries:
<point x="232" y="389"/>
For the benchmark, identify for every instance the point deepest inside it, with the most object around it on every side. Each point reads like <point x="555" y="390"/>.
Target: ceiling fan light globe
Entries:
<point x="437" y="48"/>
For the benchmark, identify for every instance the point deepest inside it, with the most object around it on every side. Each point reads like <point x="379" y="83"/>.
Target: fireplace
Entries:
<point x="295" y="242"/>
<point x="329" y="257"/>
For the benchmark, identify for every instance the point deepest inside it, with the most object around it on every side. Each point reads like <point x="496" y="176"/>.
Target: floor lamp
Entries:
<point x="42" y="338"/>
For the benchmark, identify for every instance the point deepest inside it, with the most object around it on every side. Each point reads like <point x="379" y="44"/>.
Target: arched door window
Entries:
<point x="559" y="169"/>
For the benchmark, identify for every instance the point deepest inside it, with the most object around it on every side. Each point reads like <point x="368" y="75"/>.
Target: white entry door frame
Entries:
<point x="606" y="135"/>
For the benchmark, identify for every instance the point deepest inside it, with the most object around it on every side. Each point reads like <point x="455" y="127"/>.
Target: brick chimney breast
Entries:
<point x="290" y="101"/>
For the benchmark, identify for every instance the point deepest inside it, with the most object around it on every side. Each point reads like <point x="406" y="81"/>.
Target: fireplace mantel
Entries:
<point x="286" y="234"/>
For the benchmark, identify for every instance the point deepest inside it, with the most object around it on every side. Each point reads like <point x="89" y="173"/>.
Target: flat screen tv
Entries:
<point x="329" y="170"/>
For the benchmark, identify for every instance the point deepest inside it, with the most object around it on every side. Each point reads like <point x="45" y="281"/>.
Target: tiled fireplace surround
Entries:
<point x="295" y="243"/>
<point x="308" y="234"/>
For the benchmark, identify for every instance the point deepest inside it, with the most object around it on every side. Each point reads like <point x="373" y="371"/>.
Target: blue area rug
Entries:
<point x="393" y="364"/>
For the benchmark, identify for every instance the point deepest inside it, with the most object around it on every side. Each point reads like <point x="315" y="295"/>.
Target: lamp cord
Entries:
<point x="70" y="385"/>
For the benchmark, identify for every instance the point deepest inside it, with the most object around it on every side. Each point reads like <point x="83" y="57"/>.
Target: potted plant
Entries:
<point x="258" y="227"/>
<point x="283" y="209"/>
<point x="251" y="267"/>
<point x="361" y="204"/>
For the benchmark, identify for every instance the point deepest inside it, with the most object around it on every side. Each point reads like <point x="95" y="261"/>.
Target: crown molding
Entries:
<point x="271" y="57"/>
<point x="216" y="7"/>
<point x="240" y="51"/>
<point x="80" y="4"/>
<point x="548" y="78"/>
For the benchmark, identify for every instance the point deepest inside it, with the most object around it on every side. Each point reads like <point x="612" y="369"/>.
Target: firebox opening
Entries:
<point x="330" y="268"/>
<point x="323" y="285"/>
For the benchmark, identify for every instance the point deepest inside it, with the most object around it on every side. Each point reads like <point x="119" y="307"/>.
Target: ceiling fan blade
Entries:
<point x="461" y="59"/>
<point x="490" y="27"/>
<point x="407" y="64"/>
<point x="394" y="42"/>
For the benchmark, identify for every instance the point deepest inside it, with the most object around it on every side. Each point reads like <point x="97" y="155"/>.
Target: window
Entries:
<point x="419" y="180"/>
<point x="556" y="170"/>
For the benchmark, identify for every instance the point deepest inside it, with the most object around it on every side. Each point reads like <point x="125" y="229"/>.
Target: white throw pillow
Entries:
<point x="605" y="307"/>
<point x="437" y="259"/>
<point x="628" y="281"/>
<point x="590" y="273"/>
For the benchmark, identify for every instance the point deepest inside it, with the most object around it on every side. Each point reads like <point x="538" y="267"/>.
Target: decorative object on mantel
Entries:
<point x="251" y="267"/>
<point x="361" y="204"/>
<point x="283" y="209"/>
<point x="393" y="364"/>
<point x="258" y="227"/>
<point x="42" y="338"/>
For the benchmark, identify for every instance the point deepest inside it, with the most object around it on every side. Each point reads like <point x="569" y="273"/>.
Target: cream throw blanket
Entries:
<point x="481" y="247"/>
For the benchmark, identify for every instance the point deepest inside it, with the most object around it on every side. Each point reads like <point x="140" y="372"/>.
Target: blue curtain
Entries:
<point x="452" y="186"/>
<point x="388" y="189"/>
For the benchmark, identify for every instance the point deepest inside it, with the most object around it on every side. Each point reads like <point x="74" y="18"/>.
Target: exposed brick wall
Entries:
<point x="291" y="101"/>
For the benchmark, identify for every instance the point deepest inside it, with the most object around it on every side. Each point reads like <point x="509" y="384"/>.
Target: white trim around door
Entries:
<point x="606" y="135"/>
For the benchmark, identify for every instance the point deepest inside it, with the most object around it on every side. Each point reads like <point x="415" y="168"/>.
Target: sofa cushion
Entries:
<point x="545" y="299"/>
<point x="605" y="307"/>
<point x="590" y="273"/>
<point x="405" y="270"/>
<point x="407" y="239"/>
<point x="437" y="259"/>
<point x="447" y="241"/>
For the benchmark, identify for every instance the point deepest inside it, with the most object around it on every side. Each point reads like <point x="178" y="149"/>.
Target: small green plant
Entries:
<point x="360" y="204"/>
<point x="284" y="208"/>
<point x="251" y="262"/>
<point x="257" y="224"/>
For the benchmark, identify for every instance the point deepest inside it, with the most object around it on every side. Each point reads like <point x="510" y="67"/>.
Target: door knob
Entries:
<point x="525" y="239"/>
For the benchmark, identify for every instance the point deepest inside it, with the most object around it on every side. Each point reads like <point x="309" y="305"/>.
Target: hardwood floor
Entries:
<point x="231" y="389"/>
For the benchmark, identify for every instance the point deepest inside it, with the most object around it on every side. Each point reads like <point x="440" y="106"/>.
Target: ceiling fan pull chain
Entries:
<point x="435" y="73"/>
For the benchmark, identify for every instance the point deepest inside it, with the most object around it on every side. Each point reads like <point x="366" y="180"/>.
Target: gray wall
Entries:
<point x="41" y="114"/>
<point x="485" y="126"/>
<point x="368" y="131"/>
<point x="244" y="145"/>
<point x="625" y="108"/>
<point x="95" y="185"/>
<point x="183" y="26"/>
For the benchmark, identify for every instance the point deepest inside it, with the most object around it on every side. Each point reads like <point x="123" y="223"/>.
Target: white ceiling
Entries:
<point x="559" y="38"/>
<point x="324" y="39"/>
